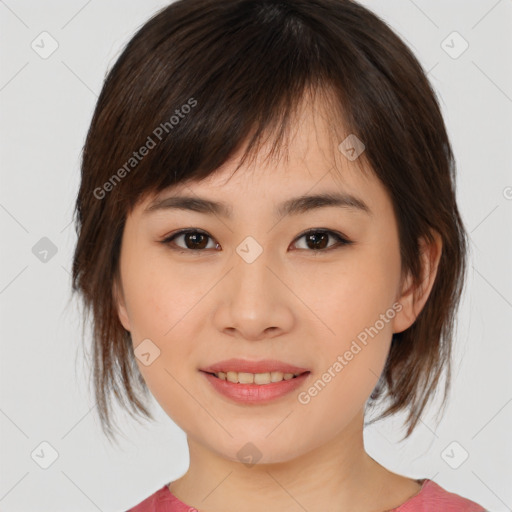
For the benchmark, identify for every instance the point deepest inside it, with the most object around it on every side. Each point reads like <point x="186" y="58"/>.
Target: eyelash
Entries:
<point x="342" y="240"/>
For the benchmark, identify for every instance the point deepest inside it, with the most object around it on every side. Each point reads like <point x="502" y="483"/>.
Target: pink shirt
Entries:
<point x="430" y="498"/>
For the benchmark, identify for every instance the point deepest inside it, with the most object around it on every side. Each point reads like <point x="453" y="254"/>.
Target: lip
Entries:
<point x="254" y="393"/>
<point x="263" y="366"/>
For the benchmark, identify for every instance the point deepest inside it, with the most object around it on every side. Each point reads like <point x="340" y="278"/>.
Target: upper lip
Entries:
<point x="243" y="365"/>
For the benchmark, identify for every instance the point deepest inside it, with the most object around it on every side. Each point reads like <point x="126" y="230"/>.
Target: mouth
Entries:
<point x="245" y="388"/>
<point x="263" y="372"/>
<point x="261" y="379"/>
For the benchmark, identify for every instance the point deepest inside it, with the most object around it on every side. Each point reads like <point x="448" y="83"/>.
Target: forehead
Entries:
<point x="308" y="161"/>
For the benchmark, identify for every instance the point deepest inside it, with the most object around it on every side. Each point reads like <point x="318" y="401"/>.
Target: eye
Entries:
<point x="193" y="238"/>
<point x="315" y="239"/>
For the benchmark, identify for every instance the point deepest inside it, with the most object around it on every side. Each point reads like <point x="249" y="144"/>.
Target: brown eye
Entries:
<point x="193" y="240"/>
<point x="318" y="240"/>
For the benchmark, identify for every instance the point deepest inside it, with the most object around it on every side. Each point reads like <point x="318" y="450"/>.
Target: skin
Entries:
<point x="293" y="303"/>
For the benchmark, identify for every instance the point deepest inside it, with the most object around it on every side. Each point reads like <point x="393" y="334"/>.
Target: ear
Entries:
<point x="413" y="298"/>
<point x="119" y="301"/>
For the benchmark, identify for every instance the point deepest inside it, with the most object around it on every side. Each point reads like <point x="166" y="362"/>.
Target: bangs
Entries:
<point x="253" y="68"/>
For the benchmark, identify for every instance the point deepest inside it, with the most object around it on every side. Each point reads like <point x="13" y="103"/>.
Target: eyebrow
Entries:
<point x="293" y="206"/>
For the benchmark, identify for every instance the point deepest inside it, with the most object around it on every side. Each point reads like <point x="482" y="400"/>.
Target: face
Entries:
<point x="317" y="288"/>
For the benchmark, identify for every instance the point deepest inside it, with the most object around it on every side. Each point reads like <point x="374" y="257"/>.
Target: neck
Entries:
<point x="338" y="474"/>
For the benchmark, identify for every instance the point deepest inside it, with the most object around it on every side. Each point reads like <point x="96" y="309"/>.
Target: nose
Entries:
<point x="254" y="303"/>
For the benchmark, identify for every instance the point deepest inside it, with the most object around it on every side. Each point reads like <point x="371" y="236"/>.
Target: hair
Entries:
<point x="215" y="74"/>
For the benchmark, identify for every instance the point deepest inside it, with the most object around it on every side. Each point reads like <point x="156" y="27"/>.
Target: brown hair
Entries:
<point x="201" y="78"/>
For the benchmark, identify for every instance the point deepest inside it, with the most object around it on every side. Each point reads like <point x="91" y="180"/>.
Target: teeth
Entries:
<point x="255" y="378"/>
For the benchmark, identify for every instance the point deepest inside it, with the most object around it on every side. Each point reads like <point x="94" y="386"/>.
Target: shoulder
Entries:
<point x="160" y="501"/>
<point x="434" y="497"/>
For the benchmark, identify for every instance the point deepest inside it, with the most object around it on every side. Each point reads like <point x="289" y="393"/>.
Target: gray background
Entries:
<point x="45" y="108"/>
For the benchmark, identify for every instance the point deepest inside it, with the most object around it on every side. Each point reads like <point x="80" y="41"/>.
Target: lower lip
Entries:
<point x="255" y="393"/>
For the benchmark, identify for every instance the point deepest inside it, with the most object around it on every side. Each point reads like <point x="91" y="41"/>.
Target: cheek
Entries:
<point x="163" y="303"/>
<point x="355" y="304"/>
<point x="160" y="295"/>
<point x="352" y="357"/>
<point x="352" y="295"/>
